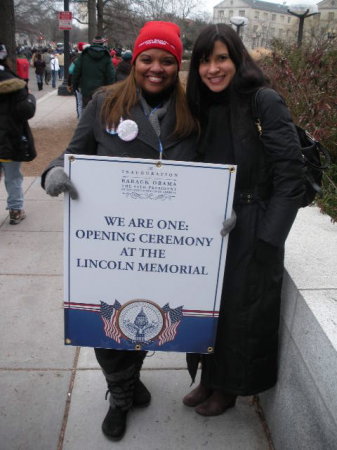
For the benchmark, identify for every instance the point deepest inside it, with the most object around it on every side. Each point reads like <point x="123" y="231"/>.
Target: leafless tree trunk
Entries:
<point x="100" y="6"/>
<point x="7" y="27"/>
<point x="91" y="19"/>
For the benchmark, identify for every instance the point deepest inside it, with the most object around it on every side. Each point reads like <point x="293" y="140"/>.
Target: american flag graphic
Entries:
<point x="172" y="318"/>
<point x="109" y="316"/>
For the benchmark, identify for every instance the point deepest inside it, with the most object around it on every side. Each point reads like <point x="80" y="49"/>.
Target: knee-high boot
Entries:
<point x="121" y="387"/>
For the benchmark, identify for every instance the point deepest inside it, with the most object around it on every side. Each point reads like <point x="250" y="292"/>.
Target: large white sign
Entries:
<point x="144" y="258"/>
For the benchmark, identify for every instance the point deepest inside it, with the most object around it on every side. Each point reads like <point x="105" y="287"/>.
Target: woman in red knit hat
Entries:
<point x="144" y="116"/>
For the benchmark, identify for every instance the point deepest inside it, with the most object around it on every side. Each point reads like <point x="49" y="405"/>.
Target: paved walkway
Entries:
<point x="52" y="396"/>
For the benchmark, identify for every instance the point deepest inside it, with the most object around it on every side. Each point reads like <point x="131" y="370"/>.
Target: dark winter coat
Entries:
<point x="16" y="107"/>
<point x="123" y="69"/>
<point x="39" y="66"/>
<point x="93" y="69"/>
<point x="267" y="196"/>
<point x="92" y="138"/>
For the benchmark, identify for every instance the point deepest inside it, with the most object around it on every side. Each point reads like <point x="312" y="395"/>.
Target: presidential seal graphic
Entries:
<point x="140" y="321"/>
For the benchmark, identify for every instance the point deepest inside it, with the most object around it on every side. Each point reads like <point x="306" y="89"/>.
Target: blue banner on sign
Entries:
<point x="93" y="329"/>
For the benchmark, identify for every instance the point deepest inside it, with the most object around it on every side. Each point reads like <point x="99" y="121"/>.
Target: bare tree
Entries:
<point x="7" y="26"/>
<point x="182" y="8"/>
<point x="37" y="19"/>
<point x="120" y="20"/>
<point x="91" y="19"/>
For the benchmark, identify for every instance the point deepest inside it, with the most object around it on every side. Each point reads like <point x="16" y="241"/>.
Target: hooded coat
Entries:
<point x="93" y="69"/>
<point x="268" y="193"/>
<point x="123" y="69"/>
<point x="16" y="107"/>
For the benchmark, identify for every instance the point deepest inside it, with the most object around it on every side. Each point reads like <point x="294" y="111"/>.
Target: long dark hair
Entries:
<point x="248" y="76"/>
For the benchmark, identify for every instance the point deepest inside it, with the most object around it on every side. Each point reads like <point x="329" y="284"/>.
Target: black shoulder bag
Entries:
<point x="24" y="146"/>
<point x="316" y="157"/>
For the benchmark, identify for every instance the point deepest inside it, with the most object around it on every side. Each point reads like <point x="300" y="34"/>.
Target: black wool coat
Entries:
<point x="268" y="194"/>
<point x="16" y="107"/>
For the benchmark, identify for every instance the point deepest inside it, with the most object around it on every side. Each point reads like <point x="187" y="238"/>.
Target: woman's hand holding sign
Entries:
<point x="57" y="181"/>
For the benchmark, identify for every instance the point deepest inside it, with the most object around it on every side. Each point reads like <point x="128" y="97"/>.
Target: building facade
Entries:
<point x="328" y="18"/>
<point x="267" y="21"/>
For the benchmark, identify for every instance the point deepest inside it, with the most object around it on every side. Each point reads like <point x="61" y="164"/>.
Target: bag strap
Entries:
<point x="300" y="131"/>
<point x="255" y="111"/>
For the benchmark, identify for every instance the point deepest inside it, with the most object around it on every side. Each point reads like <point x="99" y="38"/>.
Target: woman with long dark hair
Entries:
<point x="40" y="66"/>
<point x="224" y="84"/>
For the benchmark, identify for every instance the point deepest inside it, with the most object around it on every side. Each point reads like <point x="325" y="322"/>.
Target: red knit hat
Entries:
<point x="162" y="35"/>
<point x="80" y="46"/>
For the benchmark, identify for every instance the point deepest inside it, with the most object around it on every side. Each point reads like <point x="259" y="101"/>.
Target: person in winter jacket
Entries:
<point x="22" y="67"/>
<point x="16" y="107"/>
<point x="78" y="94"/>
<point x="55" y="67"/>
<point x="93" y="69"/>
<point x="40" y="66"/>
<point x="60" y="57"/>
<point x="222" y="84"/>
<point x="153" y="100"/>
<point x="124" y="67"/>
<point x="46" y="57"/>
<point x="115" y="57"/>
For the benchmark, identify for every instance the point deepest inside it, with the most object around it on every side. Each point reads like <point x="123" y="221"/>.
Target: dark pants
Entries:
<point x="85" y="101"/>
<point x="47" y="76"/>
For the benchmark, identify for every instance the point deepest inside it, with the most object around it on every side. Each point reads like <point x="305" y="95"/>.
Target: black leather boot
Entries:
<point x="121" y="387"/>
<point x="114" y="424"/>
<point x="141" y="395"/>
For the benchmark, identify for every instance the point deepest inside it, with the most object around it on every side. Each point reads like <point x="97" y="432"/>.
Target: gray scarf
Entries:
<point x="154" y="115"/>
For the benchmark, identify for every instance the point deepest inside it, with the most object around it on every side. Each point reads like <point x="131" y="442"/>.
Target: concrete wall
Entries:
<point x="301" y="410"/>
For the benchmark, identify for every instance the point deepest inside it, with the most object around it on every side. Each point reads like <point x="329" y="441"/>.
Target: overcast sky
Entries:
<point x="209" y="4"/>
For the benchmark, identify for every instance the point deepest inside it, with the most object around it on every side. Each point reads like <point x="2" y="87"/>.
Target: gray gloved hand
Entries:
<point x="228" y="225"/>
<point x="57" y="181"/>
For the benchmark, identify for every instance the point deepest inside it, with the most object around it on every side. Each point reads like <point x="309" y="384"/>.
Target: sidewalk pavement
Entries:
<point x="52" y="396"/>
<point x="32" y="85"/>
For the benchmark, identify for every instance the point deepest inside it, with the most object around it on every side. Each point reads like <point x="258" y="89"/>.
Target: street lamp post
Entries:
<point x="238" y="22"/>
<point x="63" y="88"/>
<point x="302" y="10"/>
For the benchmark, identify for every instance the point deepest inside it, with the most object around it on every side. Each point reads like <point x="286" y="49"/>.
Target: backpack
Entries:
<point x="316" y="157"/>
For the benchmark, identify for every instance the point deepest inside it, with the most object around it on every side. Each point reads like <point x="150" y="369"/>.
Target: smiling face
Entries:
<point x="217" y="70"/>
<point x="155" y="70"/>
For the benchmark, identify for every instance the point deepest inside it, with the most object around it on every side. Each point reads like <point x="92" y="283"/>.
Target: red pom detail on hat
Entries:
<point x="162" y="35"/>
<point x="99" y="40"/>
<point x="80" y="46"/>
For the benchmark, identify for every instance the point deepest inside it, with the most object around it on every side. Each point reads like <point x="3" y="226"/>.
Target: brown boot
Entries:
<point x="216" y="404"/>
<point x="198" y="395"/>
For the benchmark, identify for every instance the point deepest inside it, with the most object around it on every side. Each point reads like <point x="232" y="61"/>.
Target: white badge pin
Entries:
<point x="127" y="130"/>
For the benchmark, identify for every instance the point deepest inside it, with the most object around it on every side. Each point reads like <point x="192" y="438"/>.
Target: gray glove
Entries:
<point x="228" y="225"/>
<point x="57" y="181"/>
